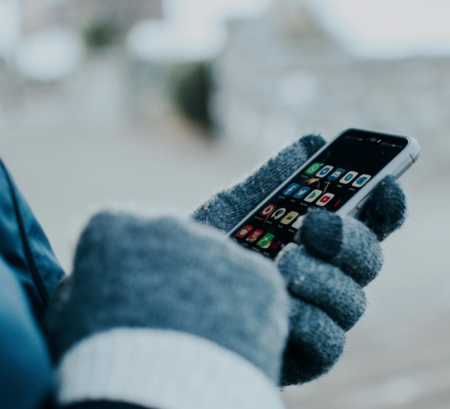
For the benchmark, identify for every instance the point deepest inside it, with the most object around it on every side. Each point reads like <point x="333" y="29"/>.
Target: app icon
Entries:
<point x="266" y="241"/>
<point x="267" y="210"/>
<point x="336" y="174"/>
<point x="243" y="232"/>
<point x="302" y="192"/>
<point x="289" y="218"/>
<point x="324" y="171"/>
<point x="348" y="177"/>
<point x="313" y="168"/>
<point x="325" y="199"/>
<point x="276" y="215"/>
<point x="290" y="189"/>
<point x="277" y="244"/>
<point x="254" y="236"/>
<point x="313" y="195"/>
<point x="298" y="222"/>
<point x="361" y="181"/>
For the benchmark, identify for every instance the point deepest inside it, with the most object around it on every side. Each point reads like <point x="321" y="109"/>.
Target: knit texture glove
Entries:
<point x="337" y="256"/>
<point x="167" y="279"/>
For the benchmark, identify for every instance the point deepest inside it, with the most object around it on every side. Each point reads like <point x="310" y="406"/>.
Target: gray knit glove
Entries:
<point x="326" y="273"/>
<point x="167" y="273"/>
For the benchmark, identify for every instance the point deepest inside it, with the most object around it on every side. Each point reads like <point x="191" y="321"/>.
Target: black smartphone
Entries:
<point x="338" y="178"/>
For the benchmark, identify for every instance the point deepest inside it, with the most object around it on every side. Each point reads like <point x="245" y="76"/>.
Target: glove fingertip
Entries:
<point x="386" y="208"/>
<point x="315" y="344"/>
<point x="312" y="143"/>
<point x="321" y="234"/>
<point x="299" y="367"/>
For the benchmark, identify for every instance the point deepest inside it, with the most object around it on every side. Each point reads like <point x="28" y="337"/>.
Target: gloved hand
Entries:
<point x="162" y="312"/>
<point x="337" y="256"/>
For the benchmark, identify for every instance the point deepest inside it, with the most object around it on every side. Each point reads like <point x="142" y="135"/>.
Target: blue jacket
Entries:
<point x="29" y="273"/>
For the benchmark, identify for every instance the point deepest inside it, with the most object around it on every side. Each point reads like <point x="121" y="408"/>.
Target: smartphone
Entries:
<point x="338" y="178"/>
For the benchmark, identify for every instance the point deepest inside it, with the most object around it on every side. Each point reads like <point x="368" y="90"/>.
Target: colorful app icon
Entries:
<point x="336" y="174"/>
<point x="324" y="171"/>
<point x="313" y="168"/>
<point x="361" y="181"/>
<point x="302" y="192"/>
<point x="266" y="241"/>
<point x="313" y="195"/>
<point x="289" y="218"/>
<point x="324" y="199"/>
<point x="277" y="245"/>
<point x="277" y="214"/>
<point x="298" y="222"/>
<point x="254" y="236"/>
<point x="243" y="232"/>
<point x="290" y="189"/>
<point x="267" y="210"/>
<point x="348" y="177"/>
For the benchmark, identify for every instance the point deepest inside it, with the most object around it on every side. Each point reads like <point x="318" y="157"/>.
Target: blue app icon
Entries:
<point x="290" y="189"/>
<point x="336" y="174"/>
<point x="324" y="171"/>
<point x="302" y="192"/>
<point x="361" y="181"/>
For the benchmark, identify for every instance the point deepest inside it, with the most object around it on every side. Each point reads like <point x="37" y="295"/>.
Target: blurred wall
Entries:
<point x="274" y="82"/>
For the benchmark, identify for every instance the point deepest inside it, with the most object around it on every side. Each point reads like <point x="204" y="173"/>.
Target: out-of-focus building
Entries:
<point x="122" y="15"/>
<point x="98" y="88"/>
<point x="283" y="75"/>
<point x="39" y="15"/>
<point x="280" y="75"/>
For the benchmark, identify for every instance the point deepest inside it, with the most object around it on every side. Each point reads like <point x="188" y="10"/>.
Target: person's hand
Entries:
<point x="337" y="256"/>
<point x="163" y="312"/>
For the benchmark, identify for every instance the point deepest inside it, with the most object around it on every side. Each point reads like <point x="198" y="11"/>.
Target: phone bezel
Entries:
<point x="396" y="167"/>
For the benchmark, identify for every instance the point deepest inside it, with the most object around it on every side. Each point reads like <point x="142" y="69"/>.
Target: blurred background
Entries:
<point x="163" y="102"/>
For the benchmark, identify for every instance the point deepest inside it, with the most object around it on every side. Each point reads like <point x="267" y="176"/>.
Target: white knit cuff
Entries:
<point x="162" y="369"/>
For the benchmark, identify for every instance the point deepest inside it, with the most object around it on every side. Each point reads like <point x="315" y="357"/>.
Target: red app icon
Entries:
<point x="243" y="232"/>
<point x="325" y="199"/>
<point x="276" y="245"/>
<point x="254" y="236"/>
<point x="267" y="210"/>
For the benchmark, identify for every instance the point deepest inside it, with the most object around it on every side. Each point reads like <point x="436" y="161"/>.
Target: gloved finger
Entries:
<point x="229" y="207"/>
<point x="385" y="211"/>
<point x="323" y="285"/>
<point x="343" y="242"/>
<point x="315" y="344"/>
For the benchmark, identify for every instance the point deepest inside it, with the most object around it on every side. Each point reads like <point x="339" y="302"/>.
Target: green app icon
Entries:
<point x="313" y="168"/>
<point x="266" y="241"/>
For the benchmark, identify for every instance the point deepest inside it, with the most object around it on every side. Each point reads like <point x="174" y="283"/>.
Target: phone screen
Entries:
<point x="328" y="182"/>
